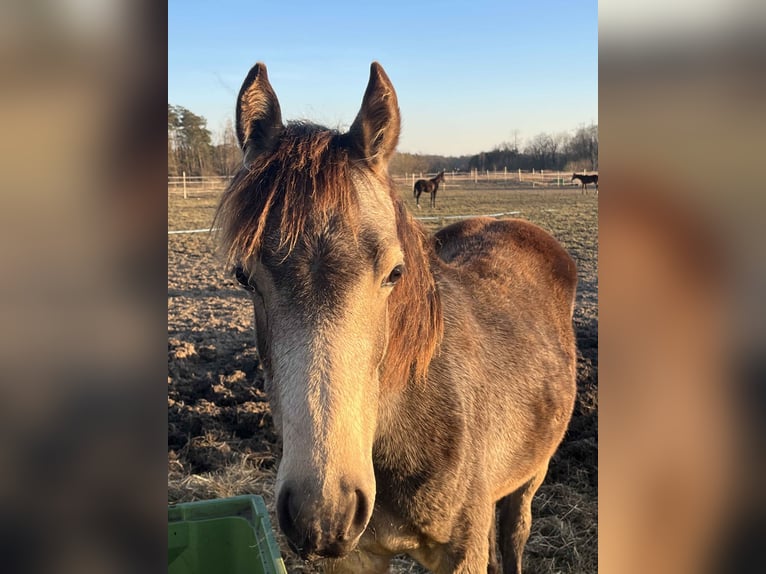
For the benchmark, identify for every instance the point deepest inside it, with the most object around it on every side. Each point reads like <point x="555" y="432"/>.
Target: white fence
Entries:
<point x="185" y="184"/>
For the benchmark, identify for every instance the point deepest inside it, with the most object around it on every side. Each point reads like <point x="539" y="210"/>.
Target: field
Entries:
<point x="220" y="439"/>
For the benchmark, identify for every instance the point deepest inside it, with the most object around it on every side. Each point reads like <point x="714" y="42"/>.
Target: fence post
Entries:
<point x="519" y="175"/>
<point x="184" y="180"/>
<point x="505" y="174"/>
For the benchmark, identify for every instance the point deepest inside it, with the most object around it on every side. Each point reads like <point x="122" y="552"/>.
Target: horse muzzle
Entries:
<point x="319" y="526"/>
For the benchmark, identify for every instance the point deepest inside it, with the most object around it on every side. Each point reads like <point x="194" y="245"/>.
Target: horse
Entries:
<point x="585" y="180"/>
<point x="428" y="185"/>
<point x="418" y="383"/>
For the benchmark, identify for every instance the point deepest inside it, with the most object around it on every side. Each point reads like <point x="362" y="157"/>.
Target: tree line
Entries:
<point x="191" y="150"/>
<point x="560" y="152"/>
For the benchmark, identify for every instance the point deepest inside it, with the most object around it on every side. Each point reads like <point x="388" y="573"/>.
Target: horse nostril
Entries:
<point x="362" y="510"/>
<point x="285" y="516"/>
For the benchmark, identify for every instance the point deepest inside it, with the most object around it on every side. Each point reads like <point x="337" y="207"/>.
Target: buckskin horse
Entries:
<point x="428" y="185"/>
<point x="417" y="382"/>
<point x="585" y="180"/>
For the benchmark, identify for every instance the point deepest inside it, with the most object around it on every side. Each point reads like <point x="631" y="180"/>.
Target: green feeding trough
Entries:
<point x="222" y="536"/>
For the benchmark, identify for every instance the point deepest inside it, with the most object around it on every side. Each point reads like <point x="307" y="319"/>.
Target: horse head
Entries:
<point x="314" y="228"/>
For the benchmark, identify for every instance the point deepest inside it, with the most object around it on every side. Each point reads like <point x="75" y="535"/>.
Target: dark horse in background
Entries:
<point x="420" y="384"/>
<point x="585" y="180"/>
<point x="428" y="185"/>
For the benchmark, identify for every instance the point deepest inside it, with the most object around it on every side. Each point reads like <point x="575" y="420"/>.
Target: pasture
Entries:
<point x="220" y="439"/>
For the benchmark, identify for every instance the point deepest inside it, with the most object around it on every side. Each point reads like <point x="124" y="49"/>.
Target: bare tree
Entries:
<point x="226" y="155"/>
<point x="542" y="149"/>
<point x="583" y="147"/>
<point x="174" y="123"/>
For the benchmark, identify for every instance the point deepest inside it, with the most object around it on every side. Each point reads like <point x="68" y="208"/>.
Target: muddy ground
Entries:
<point x="220" y="438"/>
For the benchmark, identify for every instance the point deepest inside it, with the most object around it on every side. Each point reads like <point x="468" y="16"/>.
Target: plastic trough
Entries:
<point x="222" y="536"/>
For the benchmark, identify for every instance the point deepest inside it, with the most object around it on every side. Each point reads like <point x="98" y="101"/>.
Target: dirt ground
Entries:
<point x="220" y="437"/>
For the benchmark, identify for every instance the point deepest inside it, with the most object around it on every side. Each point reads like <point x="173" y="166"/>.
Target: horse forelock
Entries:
<point x="304" y="181"/>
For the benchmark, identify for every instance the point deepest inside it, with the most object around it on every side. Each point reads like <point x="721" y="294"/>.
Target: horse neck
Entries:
<point x="420" y="408"/>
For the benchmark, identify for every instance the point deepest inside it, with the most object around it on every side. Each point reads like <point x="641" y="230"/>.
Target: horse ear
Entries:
<point x="259" y="118"/>
<point x="375" y="131"/>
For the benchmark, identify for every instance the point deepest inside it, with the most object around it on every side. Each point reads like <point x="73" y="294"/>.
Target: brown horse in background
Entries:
<point x="417" y="383"/>
<point x="428" y="185"/>
<point x="585" y="180"/>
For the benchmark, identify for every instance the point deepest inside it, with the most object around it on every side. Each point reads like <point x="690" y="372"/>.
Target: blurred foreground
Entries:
<point x="84" y="288"/>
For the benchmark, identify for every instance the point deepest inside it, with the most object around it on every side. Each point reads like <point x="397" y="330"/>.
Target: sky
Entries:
<point x="469" y="75"/>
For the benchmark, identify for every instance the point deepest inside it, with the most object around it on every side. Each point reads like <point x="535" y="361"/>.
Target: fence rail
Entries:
<point x="184" y="184"/>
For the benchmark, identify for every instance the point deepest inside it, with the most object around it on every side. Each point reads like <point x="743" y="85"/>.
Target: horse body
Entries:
<point x="416" y="382"/>
<point x="585" y="180"/>
<point x="428" y="186"/>
<point x="489" y="416"/>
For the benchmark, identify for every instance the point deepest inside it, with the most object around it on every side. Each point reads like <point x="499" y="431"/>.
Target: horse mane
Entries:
<point x="309" y="174"/>
<point x="414" y="306"/>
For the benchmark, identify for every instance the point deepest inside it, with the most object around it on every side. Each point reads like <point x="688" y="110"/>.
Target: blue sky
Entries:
<point x="469" y="75"/>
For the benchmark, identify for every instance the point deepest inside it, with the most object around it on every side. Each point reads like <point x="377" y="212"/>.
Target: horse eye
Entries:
<point x="394" y="276"/>
<point x="242" y="277"/>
